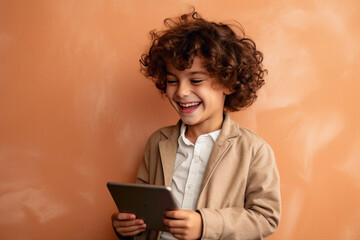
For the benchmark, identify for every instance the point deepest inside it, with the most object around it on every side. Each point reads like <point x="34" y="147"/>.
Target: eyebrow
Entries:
<point x="190" y="73"/>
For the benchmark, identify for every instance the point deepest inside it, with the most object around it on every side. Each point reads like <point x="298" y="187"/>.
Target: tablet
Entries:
<point x="147" y="202"/>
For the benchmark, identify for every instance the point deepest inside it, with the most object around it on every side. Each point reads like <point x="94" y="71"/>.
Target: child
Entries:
<point x="223" y="176"/>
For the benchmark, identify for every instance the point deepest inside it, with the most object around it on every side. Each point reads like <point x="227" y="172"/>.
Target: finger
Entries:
<point x="123" y="216"/>
<point x="179" y="236"/>
<point x="131" y="233"/>
<point x="176" y="230"/>
<point x="173" y="223"/>
<point x="178" y="214"/>
<point x="130" y="229"/>
<point x="128" y="223"/>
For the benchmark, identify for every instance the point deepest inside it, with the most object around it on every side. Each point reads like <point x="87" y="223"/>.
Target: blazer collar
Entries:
<point x="229" y="128"/>
<point x="169" y="145"/>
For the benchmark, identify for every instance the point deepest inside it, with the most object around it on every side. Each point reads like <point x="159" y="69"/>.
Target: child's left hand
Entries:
<point x="183" y="224"/>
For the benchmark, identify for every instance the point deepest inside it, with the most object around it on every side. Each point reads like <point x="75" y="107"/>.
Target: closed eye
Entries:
<point x="171" y="82"/>
<point x="196" y="81"/>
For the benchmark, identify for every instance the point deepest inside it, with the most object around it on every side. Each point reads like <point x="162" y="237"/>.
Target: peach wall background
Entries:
<point x="75" y="112"/>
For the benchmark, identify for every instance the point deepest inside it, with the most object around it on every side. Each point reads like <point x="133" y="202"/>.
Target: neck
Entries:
<point x="194" y="131"/>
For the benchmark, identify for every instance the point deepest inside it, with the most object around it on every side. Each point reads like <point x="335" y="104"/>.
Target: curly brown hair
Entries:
<point x="229" y="57"/>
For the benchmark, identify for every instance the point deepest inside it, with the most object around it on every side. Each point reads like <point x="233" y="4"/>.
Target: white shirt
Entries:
<point x="190" y="165"/>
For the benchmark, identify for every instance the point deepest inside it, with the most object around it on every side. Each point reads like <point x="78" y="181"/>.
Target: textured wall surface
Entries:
<point x="75" y="112"/>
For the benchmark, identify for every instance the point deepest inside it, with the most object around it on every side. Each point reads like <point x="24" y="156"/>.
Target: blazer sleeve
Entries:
<point x="149" y="165"/>
<point x="143" y="171"/>
<point x="261" y="211"/>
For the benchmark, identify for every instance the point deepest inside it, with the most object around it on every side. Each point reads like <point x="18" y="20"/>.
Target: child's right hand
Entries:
<point x="127" y="225"/>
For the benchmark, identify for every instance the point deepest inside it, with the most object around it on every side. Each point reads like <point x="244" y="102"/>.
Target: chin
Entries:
<point x="189" y="122"/>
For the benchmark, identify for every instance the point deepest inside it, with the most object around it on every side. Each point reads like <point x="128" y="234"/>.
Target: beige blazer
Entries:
<point x="240" y="193"/>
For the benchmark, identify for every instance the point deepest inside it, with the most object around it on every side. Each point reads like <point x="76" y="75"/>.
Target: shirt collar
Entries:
<point x="213" y="135"/>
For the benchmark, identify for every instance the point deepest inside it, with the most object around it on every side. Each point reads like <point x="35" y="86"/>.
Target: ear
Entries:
<point x="228" y="91"/>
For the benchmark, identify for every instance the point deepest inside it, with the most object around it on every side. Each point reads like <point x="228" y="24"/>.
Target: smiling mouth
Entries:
<point x="189" y="107"/>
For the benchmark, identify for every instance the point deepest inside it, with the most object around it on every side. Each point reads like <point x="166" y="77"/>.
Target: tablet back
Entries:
<point x="147" y="202"/>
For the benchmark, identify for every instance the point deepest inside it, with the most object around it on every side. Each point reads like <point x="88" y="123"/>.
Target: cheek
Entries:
<point x="216" y="98"/>
<point x="169" y="94"/>
<point x="210" y="95"/>
<point x="170" y="91"/>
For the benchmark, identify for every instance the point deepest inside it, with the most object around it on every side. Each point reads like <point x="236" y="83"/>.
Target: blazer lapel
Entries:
<point x="168" y="155"/>
<point x="168" y="148"/>
<point x="221" y="146"/>
<point x="229" y="130"/>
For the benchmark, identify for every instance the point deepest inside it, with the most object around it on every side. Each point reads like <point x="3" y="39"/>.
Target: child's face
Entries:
<point x="197" y="97"/>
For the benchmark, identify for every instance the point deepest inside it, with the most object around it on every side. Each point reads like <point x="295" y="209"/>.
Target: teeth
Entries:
<point x="189" y="104"/>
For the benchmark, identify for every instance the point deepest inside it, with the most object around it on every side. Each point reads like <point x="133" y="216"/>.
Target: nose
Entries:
<point x="183" y="89"/>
